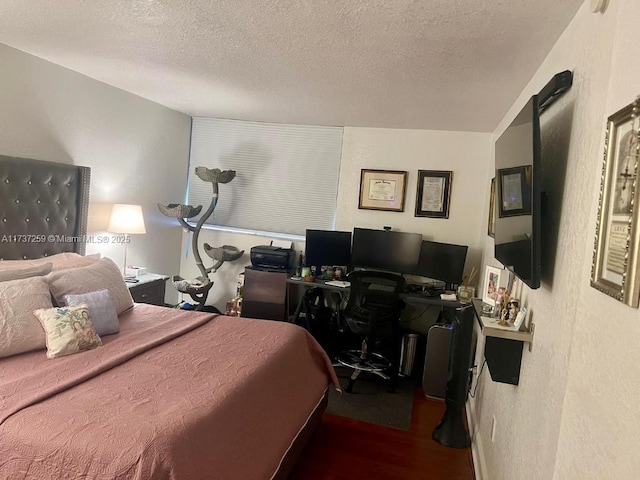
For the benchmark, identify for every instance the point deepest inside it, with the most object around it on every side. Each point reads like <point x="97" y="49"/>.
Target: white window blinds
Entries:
<point x="286" y="175"/>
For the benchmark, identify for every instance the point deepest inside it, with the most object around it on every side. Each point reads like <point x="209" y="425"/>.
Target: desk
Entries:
<point x="451" y="430"/>
<point x="412" y="298"/>
<point x="322" y="284"/>
<point x="418" y="299"/>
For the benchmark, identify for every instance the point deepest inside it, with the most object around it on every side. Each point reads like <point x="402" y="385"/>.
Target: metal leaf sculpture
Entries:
<point x="198" y="288"/>
<point x="176" y="210"/>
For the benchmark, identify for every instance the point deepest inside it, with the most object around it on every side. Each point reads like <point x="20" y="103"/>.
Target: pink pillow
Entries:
<point x="102" y="274"/>
<point x="20" y="331"/>
<point x="74" y="262"/>
<point x="19" y="274"/>
<point x="59" y="261"/>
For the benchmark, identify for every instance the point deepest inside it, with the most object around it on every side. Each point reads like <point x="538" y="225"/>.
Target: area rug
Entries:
<point x="370" y="402"/>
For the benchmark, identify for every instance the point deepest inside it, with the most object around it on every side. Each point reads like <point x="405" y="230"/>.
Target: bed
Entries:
<point x="174" y="394"/>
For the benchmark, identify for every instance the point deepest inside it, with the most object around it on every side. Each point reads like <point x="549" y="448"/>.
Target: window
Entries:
<point x="286" y="175"/>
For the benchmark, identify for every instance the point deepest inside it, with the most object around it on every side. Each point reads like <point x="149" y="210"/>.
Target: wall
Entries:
<point x="600" y="435"/>
<point x="466" y="154"/>
<point x="137" y="150"/>
<point x="574" y="414"/>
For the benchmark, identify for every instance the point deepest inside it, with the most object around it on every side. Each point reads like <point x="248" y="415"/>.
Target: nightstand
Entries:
<point x="149" y="289"/>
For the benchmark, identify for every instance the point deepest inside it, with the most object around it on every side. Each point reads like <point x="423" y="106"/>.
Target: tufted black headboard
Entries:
<point x="43" y="208"/>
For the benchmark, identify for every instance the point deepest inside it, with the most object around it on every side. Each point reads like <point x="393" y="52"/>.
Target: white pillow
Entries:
<point x="103" y="274"/>
<point x="20" y="330"/>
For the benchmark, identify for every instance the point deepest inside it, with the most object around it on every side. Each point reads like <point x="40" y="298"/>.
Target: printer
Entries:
<point x="269" y="257"/>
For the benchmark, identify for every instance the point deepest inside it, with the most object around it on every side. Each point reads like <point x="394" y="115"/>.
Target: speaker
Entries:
<point x="436" y="361"/>
<point x="451" y="430"/>
<point x="560" y="83"/>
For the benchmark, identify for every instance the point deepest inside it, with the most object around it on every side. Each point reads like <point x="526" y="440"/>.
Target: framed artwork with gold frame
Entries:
<point x="382" y="190"/>
<point x="616" y="255"/>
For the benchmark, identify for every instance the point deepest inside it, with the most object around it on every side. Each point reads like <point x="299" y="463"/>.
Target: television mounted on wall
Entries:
<point x="519" y="195"/>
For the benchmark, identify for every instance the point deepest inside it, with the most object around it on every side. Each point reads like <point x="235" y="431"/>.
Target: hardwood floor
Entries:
<point x="343" y="448"/>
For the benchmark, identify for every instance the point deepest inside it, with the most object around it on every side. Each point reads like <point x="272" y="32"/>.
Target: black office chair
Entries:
<point x="373" y="312"/>
<point x="323" y="319"/>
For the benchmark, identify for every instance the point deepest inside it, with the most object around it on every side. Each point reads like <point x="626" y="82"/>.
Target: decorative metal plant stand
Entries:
<point x="199" y="287"/>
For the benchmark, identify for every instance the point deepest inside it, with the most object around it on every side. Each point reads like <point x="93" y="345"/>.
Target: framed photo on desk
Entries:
<point x="491" y="285"/>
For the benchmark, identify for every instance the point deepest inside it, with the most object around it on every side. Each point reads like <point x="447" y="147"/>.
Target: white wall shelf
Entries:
<point x="491" y="328"/>
<point x="503" y="346"/>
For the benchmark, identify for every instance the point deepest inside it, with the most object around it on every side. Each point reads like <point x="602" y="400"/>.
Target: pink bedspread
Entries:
<point x="174" y="395"/>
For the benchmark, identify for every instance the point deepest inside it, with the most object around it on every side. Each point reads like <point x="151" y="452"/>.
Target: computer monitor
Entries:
<point x="327" y="248"/>
<point x="442" y="261"/>
<point x="385" y="250"/>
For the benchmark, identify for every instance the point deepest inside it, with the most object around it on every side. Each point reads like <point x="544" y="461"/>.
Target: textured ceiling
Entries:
<point x="428" y="64"/>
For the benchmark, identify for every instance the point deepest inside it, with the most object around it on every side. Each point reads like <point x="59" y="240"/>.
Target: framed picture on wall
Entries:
<point x="617" y="244"/>
<point x="382" y="190"/>
<point x="491" y="224"/>
<point x="434" y="191"/>
<point x="514" y="191"/>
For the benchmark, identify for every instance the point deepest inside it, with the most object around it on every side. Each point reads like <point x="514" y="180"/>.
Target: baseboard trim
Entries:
<point x="477" y="452"/>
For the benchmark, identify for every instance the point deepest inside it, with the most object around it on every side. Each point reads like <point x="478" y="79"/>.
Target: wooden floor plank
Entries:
<point x="343" y="448"/>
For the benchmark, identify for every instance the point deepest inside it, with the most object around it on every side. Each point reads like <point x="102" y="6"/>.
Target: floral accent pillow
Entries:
<point x="68" y="330"/>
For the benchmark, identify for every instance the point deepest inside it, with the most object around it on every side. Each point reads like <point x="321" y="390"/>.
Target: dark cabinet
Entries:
<point x="149" y="289"/>
<point x="264" y="294"/>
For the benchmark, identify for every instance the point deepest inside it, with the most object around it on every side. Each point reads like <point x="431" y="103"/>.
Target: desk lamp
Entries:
<point x="126" y="219"/>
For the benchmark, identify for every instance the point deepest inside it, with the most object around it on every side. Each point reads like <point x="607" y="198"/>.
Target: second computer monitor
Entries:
<point x="385" y="250"/>
<point x="442" y="261"/>
<point x="328" y="247"/>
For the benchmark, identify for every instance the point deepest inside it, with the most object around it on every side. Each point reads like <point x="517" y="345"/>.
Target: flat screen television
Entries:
<point x="385" y="250"/>
<point x="327" y="248"/>
<point x="441" y="261"/>
<point x="518" y="196"/>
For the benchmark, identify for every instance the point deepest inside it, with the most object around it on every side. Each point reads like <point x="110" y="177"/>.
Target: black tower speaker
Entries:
<point x="451" y="431"/>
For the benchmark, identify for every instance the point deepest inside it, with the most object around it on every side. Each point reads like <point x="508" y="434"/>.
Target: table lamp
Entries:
<point x="126" y="219"/>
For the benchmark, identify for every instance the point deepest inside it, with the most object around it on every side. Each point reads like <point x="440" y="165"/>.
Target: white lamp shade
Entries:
<point x="126" y="219"/>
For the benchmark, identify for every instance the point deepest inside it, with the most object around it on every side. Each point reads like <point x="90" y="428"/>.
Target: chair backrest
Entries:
<point x="374" y="302"/>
